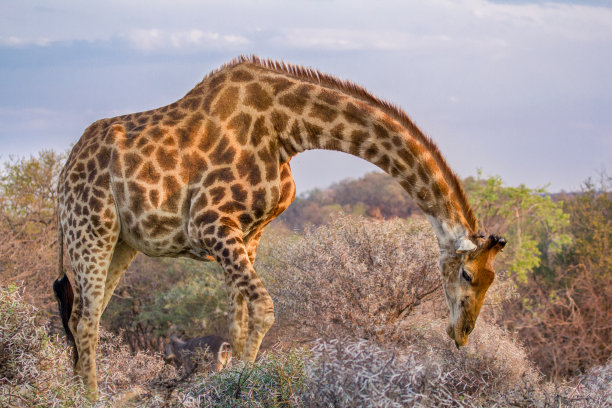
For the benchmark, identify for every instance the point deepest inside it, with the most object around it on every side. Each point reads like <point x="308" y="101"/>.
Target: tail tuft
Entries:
<point x="65" y="297"/>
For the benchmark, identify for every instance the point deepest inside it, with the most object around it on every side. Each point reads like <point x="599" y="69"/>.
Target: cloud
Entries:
<point x="156" y="39"/>
<point x="14" y="41"/>
<point x="350" y="39"/>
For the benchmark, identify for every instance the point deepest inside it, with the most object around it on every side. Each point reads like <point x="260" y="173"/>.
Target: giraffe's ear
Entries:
<point x="464" y="245"/>
<point x="495" y="244"/>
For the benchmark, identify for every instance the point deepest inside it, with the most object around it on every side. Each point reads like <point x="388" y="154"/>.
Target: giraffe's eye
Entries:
<point x="466" y="275"/>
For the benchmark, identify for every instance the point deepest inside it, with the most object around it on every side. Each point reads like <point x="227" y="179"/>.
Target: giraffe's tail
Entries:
<point x="64" y="294"/>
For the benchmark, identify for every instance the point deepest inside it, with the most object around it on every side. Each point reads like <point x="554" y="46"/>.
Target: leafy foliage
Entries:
<point x="194" y="305"/>
<point x="567" y="305"/>
<point x="28" y="191"/>
<point x="591" y="225"/>
<point x="534" y="225"/>
<point x="273" y="381"/>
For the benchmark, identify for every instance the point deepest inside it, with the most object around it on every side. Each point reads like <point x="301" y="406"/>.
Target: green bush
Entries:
<point x="193" y="306"/>
<point x="162" y="296"/>
<point x="274" y="380"/>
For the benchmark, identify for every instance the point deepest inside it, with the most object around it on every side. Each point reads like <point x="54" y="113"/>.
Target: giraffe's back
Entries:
<point x="168" y="170"/>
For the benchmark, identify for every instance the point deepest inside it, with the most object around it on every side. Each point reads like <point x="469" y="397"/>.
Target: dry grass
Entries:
<point x="34" y="370"/>
<point x="358" y="373"/>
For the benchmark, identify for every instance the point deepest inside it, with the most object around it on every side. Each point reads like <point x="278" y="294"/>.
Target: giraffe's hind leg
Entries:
<point x="91" y="250"/>
<point x="72" y="325"/>
<point x="122" y="258"/>
<point x="90" y="277"/>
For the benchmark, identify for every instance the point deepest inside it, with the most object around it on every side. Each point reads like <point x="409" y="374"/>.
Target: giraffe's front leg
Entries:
<point x="261" y="318"/>
<point x="238" y="318"/>
<point x="244" y="287"/>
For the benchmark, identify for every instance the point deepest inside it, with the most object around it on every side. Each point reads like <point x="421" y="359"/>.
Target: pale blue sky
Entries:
<point x="517" y="88"/>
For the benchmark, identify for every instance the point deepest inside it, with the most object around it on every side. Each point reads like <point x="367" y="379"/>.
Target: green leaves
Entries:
<point x="196" y="303"/>
<point x="535" y="226"/>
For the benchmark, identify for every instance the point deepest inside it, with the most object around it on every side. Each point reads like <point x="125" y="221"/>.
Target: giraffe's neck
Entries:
<point x="314" y="116"/>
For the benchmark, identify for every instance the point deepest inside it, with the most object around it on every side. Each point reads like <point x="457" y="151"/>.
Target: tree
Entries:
<point x="28" y="248"/>
<point x="376" y="195"/>
<point x="534" y="225"/>
<point x="591" y="225"/>
<point x="566" y="306"/>
<point x="28" y="192"/>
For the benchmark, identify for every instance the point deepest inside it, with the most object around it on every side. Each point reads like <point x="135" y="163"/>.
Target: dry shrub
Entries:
<point x="596" y="385"/>
<point x="358" y="278"/>
<point x="30" y="260"/>
<point x="354" y="277"/>
<point x="424" y="369"/>
<point x="34" y="369"/>
<point x="490" y="363"/>
<point x="568" y="330"/>
<point x="359" y="373"/>
<point x="121" y="372"/>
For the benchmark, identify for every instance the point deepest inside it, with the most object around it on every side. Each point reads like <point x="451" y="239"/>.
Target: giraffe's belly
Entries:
<point x="159" y="232"/>
<point x="156" y="233"/>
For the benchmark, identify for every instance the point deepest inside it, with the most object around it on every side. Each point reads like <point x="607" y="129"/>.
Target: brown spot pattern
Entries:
<point x="226" y="104"/>
<point x="323" y="112"/>
<point x="296" y="101"/>
<point x="167" y="158"/>
<point x="241" y="75"/>
<point x="279" y="121"/>
<point x="149" y="174"/>
<point x="260" y="130"/>
<point x="240" y="124"/>
<point x="257" y="97"/>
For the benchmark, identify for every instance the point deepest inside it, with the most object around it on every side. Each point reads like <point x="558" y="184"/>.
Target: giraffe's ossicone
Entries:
<point x="203" y="176"/>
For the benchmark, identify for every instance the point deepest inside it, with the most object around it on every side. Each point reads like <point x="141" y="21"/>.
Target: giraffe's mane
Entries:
<point x="315" y="76"/>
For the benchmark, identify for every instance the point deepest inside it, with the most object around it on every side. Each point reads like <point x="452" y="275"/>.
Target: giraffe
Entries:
<point x="203" y="176"/>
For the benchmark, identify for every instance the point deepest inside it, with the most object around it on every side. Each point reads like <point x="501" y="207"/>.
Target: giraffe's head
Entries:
<point x="466" y="276"/>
